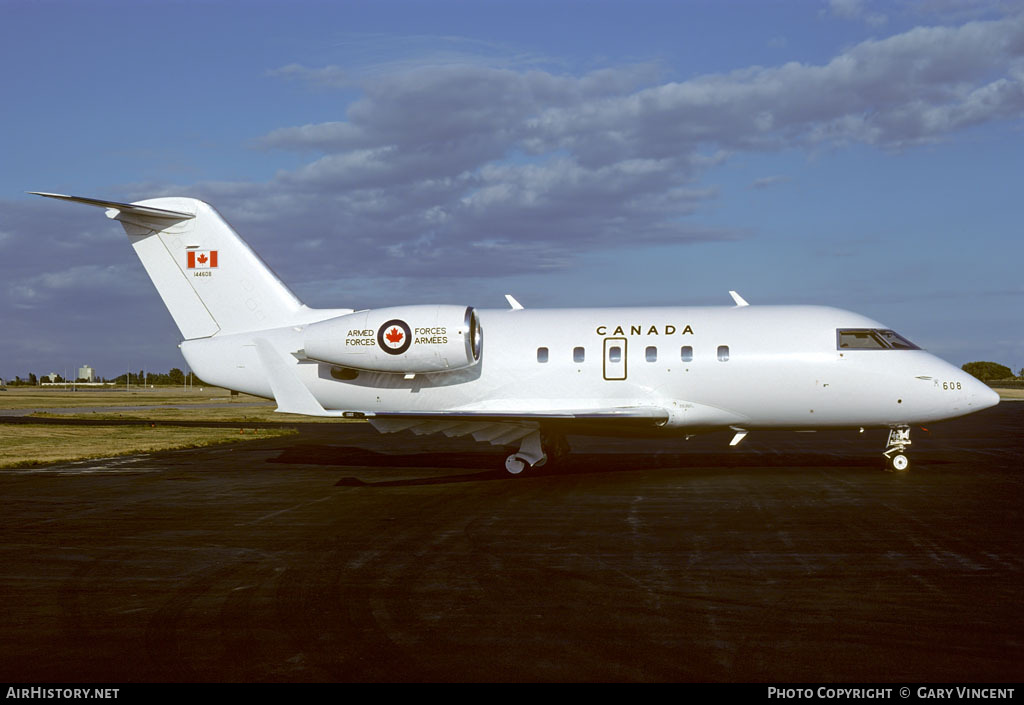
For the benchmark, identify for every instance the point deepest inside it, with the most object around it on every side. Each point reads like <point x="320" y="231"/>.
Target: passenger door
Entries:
<point x="614" y="358"/>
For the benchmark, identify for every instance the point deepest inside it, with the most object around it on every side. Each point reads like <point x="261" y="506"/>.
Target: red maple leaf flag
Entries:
<point x="202" y="259"/>
<point x="394" y="335"/>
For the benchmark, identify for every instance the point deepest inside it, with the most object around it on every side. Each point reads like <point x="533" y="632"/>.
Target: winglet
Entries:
<point x="516" y="306"/>
<point x="123" y="207"/>
<point x="740" y="301"/>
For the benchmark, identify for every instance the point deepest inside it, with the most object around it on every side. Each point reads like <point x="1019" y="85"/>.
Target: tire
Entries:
<point x="514" y="465"/>
<point x="899" y="462"/>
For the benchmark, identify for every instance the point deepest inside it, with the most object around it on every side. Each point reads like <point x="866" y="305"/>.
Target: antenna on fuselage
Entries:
<point x="740" y="301"/>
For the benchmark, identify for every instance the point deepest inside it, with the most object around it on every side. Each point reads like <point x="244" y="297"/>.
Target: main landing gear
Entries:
<point x="896" y="459"/>
<point x="535" y="451"/>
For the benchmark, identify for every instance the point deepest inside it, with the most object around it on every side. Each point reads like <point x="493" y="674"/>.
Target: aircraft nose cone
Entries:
<point x="979" y="395"/>
<point x="986" y="396"/>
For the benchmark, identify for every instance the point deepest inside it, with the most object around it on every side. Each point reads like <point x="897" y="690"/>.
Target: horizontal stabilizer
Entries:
<point x="123" y="207"/>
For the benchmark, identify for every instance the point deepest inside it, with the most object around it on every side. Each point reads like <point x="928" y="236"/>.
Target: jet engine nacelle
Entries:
<point x="402" y="339"/>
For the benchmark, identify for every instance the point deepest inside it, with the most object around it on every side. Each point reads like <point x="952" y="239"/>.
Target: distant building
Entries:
<point x="53" y="376"/>
<point x="87" y="373"/>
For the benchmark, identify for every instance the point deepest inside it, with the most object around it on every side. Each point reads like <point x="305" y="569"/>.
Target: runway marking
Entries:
<point x="282" y="511"/>
<point x="996" y="558"/>
<point x="86" y="471"/>
<point x="92" y="466"/>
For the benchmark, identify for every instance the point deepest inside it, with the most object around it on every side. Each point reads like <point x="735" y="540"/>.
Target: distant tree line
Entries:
<point x="19" y="382"/>
<point x="990" y="371"/>
<point x="985" y="371"/>
<point x="174" y="377"/>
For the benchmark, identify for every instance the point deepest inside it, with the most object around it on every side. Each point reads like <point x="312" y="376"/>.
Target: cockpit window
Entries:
<point x="871" y="339"/>
<point x="861" y="339"/>
<point x="897" y="341"/>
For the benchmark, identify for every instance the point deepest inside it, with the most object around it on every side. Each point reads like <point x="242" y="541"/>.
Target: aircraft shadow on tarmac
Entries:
<point x="490" y="465"/>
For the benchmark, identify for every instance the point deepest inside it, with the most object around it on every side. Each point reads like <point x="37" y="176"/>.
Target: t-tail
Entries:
<point x="208" y="277"/>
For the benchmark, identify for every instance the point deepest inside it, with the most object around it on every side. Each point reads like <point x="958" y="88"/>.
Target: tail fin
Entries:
<point x="208" y="277"/>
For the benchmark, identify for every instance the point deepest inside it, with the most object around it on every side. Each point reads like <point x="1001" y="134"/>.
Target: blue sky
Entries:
<point x="850" y="153"/>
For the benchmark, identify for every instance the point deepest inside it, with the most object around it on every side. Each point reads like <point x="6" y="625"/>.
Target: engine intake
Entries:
<point x="401" y="339"/>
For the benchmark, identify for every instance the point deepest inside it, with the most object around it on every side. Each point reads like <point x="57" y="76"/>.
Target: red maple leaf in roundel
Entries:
<point x="202" y="258"/>
<point x="393" y="335"/>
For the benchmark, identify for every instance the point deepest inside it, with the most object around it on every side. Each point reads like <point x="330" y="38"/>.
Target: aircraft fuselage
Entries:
<point x="531" y="375"/>
<point x="710" y="367"/>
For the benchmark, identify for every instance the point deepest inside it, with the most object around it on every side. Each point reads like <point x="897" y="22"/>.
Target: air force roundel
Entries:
<point x="394" y="337"/>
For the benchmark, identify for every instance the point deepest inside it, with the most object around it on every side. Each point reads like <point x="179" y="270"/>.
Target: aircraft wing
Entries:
<point x="493" y="426"/>
<point x="502" y="427"/>
<point x="652" y="414"/>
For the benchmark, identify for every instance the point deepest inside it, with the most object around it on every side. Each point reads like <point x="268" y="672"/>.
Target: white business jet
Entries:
<point x="532" y="376"/>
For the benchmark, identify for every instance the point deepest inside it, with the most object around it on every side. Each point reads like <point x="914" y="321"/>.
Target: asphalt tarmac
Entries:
<point x="344" y="555"/>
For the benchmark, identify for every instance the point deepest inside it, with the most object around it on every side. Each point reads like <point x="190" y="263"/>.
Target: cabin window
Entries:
<point x="542" y="354"/>
<point x="614" y="354"/>
<point x="651" y="353"/>
<point x="578" y="354"/>
<point x="686" y="353"/>
<point x="723" y="353"/>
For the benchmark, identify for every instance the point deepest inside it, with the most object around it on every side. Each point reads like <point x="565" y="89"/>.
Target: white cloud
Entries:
<point x="81" y="279"/>
<point x="768" y="181"/>
<point x="330" y="76"/>
<point x="436" y="169"/>
<point x="856" y="10"/>
<point x="467" y="169"/>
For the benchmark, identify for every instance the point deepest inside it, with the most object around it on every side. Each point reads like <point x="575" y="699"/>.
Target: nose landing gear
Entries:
<point x="896" y="458"/>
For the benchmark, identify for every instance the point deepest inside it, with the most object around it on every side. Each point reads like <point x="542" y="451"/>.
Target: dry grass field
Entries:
<point x="25" y="445"/>
<point x="1009" y="394"/>
<point x="61" y="398"/>
<point x="39" y="444"/>
<point x="162" y="404"/>
<point x="227" y="414"/>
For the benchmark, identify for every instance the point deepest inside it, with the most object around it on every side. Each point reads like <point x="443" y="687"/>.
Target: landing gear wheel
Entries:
<point x="896" y="459"/>
<point x="529" y="455"/>
<point x="514" y="464"/>
<point x="899" y="462"/>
